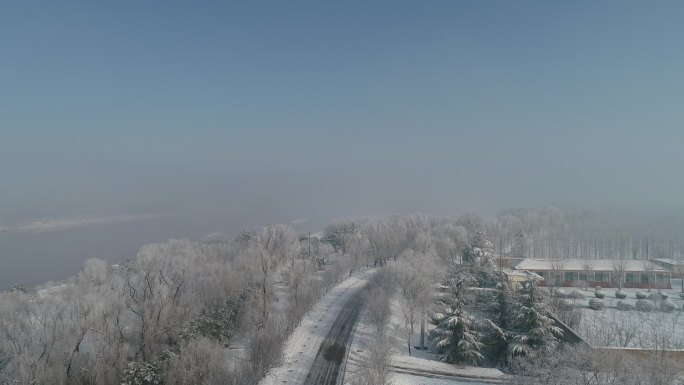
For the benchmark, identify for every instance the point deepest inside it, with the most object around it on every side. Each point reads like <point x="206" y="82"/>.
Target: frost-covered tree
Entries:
<point x="376" y="367"/>
<point x="449" y="240"/>
<point x="340" y="235"/>
<point x="620" y="266"/>
<point x="414" y="275"/>
<point x="201" y="361"/>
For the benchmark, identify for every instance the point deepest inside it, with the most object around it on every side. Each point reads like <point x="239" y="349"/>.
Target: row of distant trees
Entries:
<point x="578" y="233"/>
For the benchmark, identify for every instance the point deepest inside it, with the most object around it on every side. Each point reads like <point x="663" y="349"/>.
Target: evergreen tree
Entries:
<point x="533" y="331"/>
<point x="479" y="251"/>
<point x="494" y="330"/>
<point x="455" y="338"/>
<point x="500" y="308"/>
<point x="480" y="257"/>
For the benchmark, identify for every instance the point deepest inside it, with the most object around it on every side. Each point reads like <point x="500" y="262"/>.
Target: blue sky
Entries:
<point x="326" y="110"/>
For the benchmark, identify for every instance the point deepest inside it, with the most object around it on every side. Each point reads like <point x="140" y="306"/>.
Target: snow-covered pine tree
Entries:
<point x="480" y="250"/>
<point x="455" y="339"/>
<point x="500" y="308"/>
<point x="494" y="330"/>
<point x="481" y="258"/>
<point x="533" y="331"/>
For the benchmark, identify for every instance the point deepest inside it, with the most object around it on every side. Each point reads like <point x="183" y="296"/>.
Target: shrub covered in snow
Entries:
<point x="644" y="305"/>
<point x="620" y="294"/>
<point x="654" y="297"/>
<point x="599" y="294"/>
<point x="595" y="304"/>
<point x="667" y="307"/>
<point x="576" y="294"/>
<point x="663" y="295"/>
<point x="641" y="295"/>
<point x="560" y="293"/>
<point x="142" y="373"/>
<point x="624" y="306"/>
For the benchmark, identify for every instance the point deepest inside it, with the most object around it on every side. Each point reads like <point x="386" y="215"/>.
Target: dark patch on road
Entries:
<point x="335" y="353"/>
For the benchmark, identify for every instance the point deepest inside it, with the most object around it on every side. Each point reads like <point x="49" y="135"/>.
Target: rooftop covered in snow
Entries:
<point x="588" y="264"/>
<point x="671" y="262"/>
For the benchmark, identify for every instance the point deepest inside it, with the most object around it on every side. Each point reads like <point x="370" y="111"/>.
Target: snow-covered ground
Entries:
<point x="636" y="329"/>
<point x="302" y="346"/>
<point x="422" y="367"/>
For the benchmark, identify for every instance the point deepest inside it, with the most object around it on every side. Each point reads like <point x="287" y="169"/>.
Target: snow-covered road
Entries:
<point x="328" y="366"/>
<point x="329" y="320"/>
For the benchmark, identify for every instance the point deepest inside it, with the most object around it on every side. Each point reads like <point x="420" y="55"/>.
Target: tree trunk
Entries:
<point x="264" y="304"/>
<point x="422" y="330"/>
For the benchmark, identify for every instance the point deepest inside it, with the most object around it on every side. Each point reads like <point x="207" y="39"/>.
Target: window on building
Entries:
<point x="570" y="276"/>
<point x="601" y="277"/>
<point x="645" y="278"/>
<point x="659" y="278"/>
<point x="632" y="277"/>
<point x="583" y="277"/>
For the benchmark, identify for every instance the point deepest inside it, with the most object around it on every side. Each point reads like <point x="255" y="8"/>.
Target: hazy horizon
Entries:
<point x="238" y="115"/>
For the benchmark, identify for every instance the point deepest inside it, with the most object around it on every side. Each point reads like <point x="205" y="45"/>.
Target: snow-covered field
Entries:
<point x="620" y="328"/>
<point x="422" y="367"/>
<point x="636" y="329"/>
<point x="303" y="344"/>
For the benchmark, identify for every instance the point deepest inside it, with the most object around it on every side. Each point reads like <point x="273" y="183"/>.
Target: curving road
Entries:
<point x="328" y="366"/>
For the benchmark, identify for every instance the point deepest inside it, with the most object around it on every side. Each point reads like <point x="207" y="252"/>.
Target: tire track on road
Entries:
<point x="328" y="366"/>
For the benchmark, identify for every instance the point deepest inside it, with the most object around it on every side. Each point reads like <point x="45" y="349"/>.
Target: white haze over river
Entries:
<point x="37" y="251"/>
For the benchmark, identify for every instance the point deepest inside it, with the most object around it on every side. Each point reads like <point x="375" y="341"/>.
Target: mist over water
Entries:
<point x="33" y="258"/>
